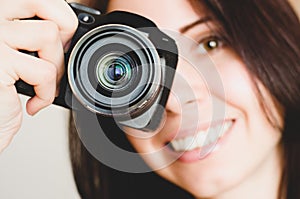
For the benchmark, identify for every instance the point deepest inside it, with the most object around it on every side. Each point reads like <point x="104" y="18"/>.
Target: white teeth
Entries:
<point x="201" y="139"/>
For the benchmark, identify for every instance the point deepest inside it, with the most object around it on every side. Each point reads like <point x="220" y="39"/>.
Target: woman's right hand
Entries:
<point x="47" y="37"/>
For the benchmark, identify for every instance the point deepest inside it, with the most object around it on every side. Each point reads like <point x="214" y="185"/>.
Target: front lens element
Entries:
<point x="114" y="71"/>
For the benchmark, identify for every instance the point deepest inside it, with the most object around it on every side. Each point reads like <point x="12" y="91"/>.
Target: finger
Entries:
<point x="11" y="110"/>
<point x="57" y="11"/>
<point x="34" y="71"/>
<point x="10" y="115"/>
<point x="5" y="140"/>
<point x="41" y="36"/>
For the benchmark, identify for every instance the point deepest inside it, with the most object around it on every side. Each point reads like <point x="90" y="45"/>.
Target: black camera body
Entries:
<point x="118" y="65"/>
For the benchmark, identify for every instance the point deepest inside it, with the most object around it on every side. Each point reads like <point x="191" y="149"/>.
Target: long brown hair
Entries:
<point x="265" y="35"/>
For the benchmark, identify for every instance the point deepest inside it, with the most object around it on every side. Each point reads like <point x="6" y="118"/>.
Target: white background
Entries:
<point x="36" y="164"/>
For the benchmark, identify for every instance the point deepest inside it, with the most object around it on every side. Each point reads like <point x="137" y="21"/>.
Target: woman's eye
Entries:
<point x="209" y="44"/>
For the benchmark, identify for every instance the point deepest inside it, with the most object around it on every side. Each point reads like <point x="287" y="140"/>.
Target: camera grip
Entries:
<point x="24" y="88"/>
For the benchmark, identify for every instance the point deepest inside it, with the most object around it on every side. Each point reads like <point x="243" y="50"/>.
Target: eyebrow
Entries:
<point x="191" y="25"/>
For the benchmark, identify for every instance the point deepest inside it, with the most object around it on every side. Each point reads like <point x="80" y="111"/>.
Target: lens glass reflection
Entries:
<point x="114" y="71"/>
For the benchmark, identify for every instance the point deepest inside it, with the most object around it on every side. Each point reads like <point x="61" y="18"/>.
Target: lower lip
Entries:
<point x="204" y="152"/>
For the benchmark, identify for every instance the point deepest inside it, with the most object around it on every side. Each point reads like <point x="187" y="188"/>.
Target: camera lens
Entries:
<point x="114" y="70"/>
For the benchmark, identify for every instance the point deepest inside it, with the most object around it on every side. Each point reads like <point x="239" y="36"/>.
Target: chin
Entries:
<point x="203" y="185"/>
<point x="202" y="189"/>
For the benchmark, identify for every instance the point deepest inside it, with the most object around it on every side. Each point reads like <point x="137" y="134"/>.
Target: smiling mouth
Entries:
<point x="201" y="138"/>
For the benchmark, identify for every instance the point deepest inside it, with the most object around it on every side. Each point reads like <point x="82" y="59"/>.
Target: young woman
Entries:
<point x="256" y="53"/>
<point x="255" y="49"/>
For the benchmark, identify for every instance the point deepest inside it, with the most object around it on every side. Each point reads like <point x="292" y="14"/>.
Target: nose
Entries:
<point x="188" y="90"/>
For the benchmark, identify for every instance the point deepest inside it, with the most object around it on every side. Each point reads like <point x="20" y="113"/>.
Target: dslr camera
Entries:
<point x="118" y="65"/>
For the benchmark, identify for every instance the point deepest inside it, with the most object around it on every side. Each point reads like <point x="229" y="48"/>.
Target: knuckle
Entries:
<point x="6" y="80"/>
<point x="45" y="101"/>
<point x="49" y="100"/>
<point x="73" y="24"/>
<point x="47" y="97"/>
<point x="50" y="73"/>
<point x="7" y="74"/>
<point x="4" y="27"/>
<point x="50" y="31"/>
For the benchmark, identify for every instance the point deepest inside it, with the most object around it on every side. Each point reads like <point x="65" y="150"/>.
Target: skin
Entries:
<point x="247" y="163"/>
<point x="44" y="72"/>
<point x="296" y="5"/>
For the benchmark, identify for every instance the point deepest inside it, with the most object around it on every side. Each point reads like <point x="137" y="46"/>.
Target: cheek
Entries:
<point x="237" y="83"/>
<point x="260" y="114"/>
<point x="248" y="94"/>
<point x="240" y="94"/>
<point x="141" y="141"/>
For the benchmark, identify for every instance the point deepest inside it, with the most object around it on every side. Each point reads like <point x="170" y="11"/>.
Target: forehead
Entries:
<point x="168" y="14"/>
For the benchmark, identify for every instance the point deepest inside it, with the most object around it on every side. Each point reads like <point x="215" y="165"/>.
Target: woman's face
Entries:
<point x="217" y="139"/>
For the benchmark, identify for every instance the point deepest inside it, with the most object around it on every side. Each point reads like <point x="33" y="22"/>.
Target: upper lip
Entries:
<point x="193" y="130"/>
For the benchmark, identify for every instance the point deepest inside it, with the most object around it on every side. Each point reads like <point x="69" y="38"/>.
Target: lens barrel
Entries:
<point x="115" y="70"/>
